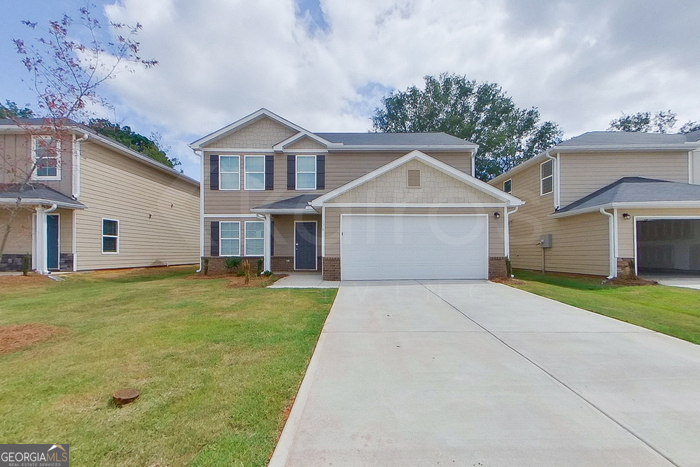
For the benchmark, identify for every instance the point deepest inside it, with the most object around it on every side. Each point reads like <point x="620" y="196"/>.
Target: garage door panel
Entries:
<point x="378" y="247"/>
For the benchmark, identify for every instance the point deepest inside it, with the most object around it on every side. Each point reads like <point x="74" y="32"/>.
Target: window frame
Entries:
<point x="245" y="227"/>
<point x="296" y="172"/>
<point x="511" y="186"/>
<point x="245" y="172"/>
<point x="118" y="236"/>
<point x="35" y="165"/>
<point x="542" y="178"/>
<point x="221" y="238"/>
<point x="221" y="171"/>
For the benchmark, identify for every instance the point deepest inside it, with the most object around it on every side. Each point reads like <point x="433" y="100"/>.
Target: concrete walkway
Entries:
<point x="304" y="280"/>
<point x="480" y="374"/>
<point x="670" y="280"/>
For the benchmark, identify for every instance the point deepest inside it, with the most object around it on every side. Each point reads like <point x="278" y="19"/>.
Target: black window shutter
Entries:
<point x="320" y="172"/>
<point x="269" y="172"/>
<point x="215" y="238"/>
<point x="291" y="173"/>
<point x="214" y="172"/>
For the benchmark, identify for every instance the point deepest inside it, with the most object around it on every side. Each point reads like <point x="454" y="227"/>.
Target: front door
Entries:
<point x="52" y="247"/>
<point x="305" y="245"/>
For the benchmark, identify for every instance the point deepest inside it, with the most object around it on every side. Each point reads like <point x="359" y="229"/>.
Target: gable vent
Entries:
<point x="414" y="178"/>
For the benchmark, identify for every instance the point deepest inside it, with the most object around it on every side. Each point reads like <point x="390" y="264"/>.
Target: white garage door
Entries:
<point x="377" y="247"/>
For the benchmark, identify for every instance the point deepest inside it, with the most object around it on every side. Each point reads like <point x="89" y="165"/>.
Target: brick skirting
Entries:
<point x="217" y="264"/>
<point x="331" y="269"/>
<point x="497" y="267"/>
<point x="282" y="263"/>
<point x="13" y="262"/>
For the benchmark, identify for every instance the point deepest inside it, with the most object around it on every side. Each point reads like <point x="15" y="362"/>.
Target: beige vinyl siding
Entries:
<point x="65" y="225"/>
<point x="260" y="134"/>
<point x="20" y="240"/>
<point x="580" y="243"/>
<point x="306" y="143"/>
<point x="284" y="233"/>
<point x="114" y="186"/>
<point x="625" y="228"/>
<point x="16" y="162"/>
<point x="496" y="245"/>
<point x="582" y="174"/>
<point x="341" y="168"/>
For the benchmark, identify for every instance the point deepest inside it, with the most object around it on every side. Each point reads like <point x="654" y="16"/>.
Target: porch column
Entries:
<point x="41" y="261"/>
<point x="267" y="266"/>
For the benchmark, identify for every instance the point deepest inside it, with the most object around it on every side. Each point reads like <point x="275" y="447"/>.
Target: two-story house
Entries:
<point x="610" y="204"/>
<point x="90" y="202"/>
<point x="356" y="206"/>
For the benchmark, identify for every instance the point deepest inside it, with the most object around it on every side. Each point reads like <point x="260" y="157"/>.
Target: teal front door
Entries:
<point x="52" y="246"/>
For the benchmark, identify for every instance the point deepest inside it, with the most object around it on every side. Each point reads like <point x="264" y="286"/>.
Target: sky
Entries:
<point x="326" y="64"/>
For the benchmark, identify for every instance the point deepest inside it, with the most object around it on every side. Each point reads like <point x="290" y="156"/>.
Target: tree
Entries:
<point x="11" y="110"/>
<point x="150" y="147"/>
<point x="479" y="112"/>
<point x="65" y="76"/>
<point x="659" y="122"/>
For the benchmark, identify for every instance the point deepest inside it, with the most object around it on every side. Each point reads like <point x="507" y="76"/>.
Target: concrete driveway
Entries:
<point x="480" y="374"/>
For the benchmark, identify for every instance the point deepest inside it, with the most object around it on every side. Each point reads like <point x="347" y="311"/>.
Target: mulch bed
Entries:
<point x="631" y="281"/>
<point x="507" y="280"/>
<point x="236" y="282"/>
<point x="19" y="336"/>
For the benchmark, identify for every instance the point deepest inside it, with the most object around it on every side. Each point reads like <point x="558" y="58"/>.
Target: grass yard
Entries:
<point x="217" y="367"/>
<point x="670" y="310"/>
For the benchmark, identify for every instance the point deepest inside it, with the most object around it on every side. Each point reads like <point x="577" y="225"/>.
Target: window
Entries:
<point x="110" y="236"/>
<point x="254" y="238"/>
<point x="508" y="186"/>
<point x="306" y="172"/>
<point x="546" y="177"/>
<point x="229" y="173"/>
<point x="230" y="239"/>
<point x="254" y="172"/>
<point x="46" y="154"/>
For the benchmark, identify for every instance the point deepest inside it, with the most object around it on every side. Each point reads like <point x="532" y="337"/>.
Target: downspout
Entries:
<point x="555" y="176"/>
<point x="201" y="208"/>
<point x="474" y="162"/>
<point x="77" y="156"/>
<point x="506" y="230"/>
<point x="611" y="247"/>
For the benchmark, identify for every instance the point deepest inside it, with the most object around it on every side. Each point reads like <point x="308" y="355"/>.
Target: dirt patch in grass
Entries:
<point x="631" y="281"/>
<point x="8" y="282"/>
<point x="236" y="282"/>
<point x="19" y="336"/>
<point x="507" y="281"/>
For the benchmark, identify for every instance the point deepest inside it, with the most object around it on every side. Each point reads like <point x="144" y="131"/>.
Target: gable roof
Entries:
<point x="296" y="204"/>
<point x="507" y="199"/>
<point x="629" y="192"/>
<point x="35" y="194"/>
<point x="397" y="139"/>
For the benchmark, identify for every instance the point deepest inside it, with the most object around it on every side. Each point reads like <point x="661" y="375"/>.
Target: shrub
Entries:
<point x="261" y="263"/>
<point x="233" y="262"/>
<point x="267" y="273"/>
<point x="26" y="264"/>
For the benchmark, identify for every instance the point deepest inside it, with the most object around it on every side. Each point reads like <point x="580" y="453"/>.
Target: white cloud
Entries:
<point x="581" y="63"/>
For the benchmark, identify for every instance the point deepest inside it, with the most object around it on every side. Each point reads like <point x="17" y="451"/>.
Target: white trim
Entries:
<point x="74" y="240"/>
<point x="506" y="230"/>
<point x="102" y="236"/>
<point x="323" y="232"/>
<point x="315" y="246"/>
<point x="227" y="216"/>
<point x="612" y="259"/>
<point x="307" y="210"/>
<point x="415" y="205"/>
<point x="296" y="172"/>
<point x="267" y="236"/>
<point x="557" y="183"/>
<point x="279" y="147"/>
<point x="635" y="205"/>
<point x="636" y="219"/>
<point x="245" y="237"/>
<point x="41" y="202"/>
<point x="221" y="238"/>
<point x="406" y="147"/>
<point x="511" y="185"/>
<point x="201" y="211"/>
<point x="77" y="157"/>
<point x="542" y="179"/>
<point x="690" y="168"/>
<point x="220" y="172"/>
<point x="441" y="166"/>
<point x="616" y="238"/>
<point x="58" y="157"/>
<point x="473" y="168"/>
<point x="245" y="172"/>
<point x="35" y="267"/>
<point x="488" y="227"/>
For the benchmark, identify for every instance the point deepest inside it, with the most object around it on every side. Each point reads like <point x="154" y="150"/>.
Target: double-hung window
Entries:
<point x="229" y="172"/>
<point x="110" y="236"/>
<point x="254" y="172"/>
<point x="254" y="238"/>
<point x="306" y="173"/>
<point x="230" y="239"/>
<point x="546" y="177"/>
<point x="46" y="158"/>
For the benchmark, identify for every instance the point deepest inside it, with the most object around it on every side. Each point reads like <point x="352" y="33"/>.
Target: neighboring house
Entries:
<point x="355" y="206"/>
<point x="91" y="203"/>
<point x="614" y="203"/>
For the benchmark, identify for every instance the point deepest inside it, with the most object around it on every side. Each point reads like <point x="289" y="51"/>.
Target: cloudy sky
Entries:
<point x="325" y="64"/>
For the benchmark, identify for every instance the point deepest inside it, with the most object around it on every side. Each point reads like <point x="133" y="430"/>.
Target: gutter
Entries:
<point x="41" y="202"/>
<point x="201" y="210"/>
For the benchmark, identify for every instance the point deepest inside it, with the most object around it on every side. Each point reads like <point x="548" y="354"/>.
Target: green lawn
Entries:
<point x="670" y="310"/>
<point x="217" y="367"/>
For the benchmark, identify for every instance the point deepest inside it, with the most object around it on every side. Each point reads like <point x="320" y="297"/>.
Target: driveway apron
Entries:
<point x="479" y="374"/>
